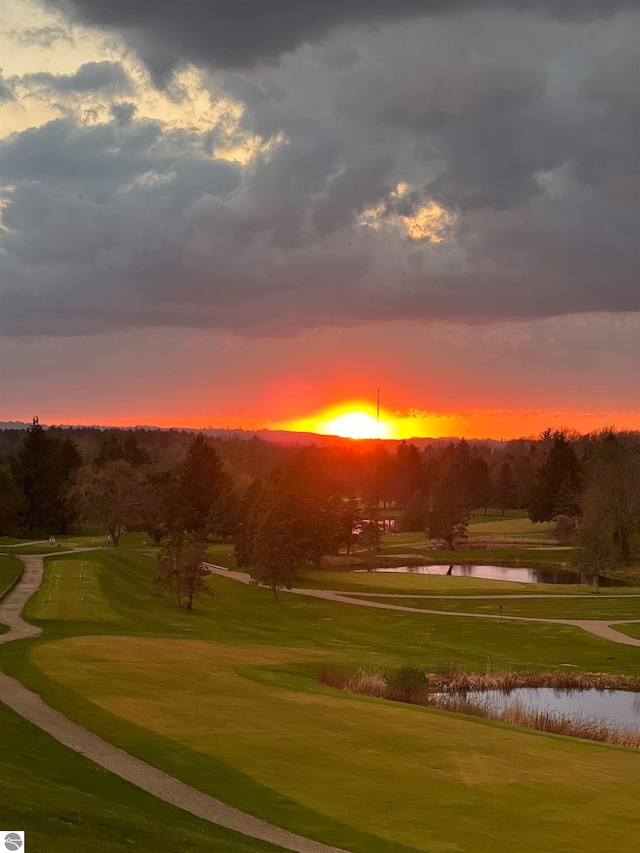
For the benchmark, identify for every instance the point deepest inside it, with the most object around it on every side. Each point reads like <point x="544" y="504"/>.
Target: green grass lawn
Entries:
<point x="222" y="555"/>
<point x="10" y="568"/>
<point x="514" y="522"/>
<point x="65" y="542"/>
<point x="228" y="699"/>
<point x="348" y="760"/>
<point x="404" y="538"/>
<point x="9" y="540"/>
<point x="39" y="548"/>
<point x="65" y="802"/>
<point x="492" y="526"/>
<point x="427" y="584"/>
<point x="559" y="607"/>
<point x="630" y="630"/>
<point x="544" y="557"/>
<point x="72" y="590"/>
<point x="478" y="516"/>
<point x="248" y="615"/>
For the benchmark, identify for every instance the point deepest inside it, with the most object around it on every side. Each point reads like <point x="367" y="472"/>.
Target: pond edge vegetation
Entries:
<point x="447" y="688"/>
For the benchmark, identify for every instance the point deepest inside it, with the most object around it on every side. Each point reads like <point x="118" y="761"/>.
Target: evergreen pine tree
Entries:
<point x="561" y="471"/>
<point x="505" y="487"/>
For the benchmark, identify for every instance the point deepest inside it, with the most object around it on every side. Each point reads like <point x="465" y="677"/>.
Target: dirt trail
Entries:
<point x="601" y="628"/>
<point x="30" y="706"/>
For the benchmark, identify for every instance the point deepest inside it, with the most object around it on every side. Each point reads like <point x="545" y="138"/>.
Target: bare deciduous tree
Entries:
<point x="181" y="570"/>
<point x="111" y="495"/>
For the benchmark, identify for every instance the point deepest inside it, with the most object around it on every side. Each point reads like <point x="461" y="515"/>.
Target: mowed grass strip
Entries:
<point x="10" y="568"/>
<point x="65" y="802"/>
<point x="584" y="607"/>
<point x="508" y="526"/>
<point x="543" y="557"/>
<point x="40" y="548"/>
<point x="71" y="590"/>
<point x="429" y="781"/>
<point x="497" y="514"/>
<point x="629" y="630"/>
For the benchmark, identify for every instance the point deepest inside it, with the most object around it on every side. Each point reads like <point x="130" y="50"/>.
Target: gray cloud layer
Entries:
<point x="6" y="89"/>
<point x="241" y="33"/>
<point x="524" y="129"/>
<point x="90" y="77"/>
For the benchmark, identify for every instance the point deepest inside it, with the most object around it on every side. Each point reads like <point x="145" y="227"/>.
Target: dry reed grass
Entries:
<point x="454" y="679"/>
<point x="587" y="728"/>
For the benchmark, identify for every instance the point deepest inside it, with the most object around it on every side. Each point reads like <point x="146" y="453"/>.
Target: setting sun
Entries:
<point x="350" y="420"/>
<point x="353" y="425"/>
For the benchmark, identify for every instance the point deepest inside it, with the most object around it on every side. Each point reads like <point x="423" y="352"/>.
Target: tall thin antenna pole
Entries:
<point x="378" y="417"/>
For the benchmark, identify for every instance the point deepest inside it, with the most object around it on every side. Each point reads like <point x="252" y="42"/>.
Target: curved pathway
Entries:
<point x="601" y="628"/>
<point x="505" y="596"/>
<point x="30" y="706"/>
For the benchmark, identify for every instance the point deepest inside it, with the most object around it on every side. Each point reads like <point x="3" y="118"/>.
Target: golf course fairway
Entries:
<point x="421" y="779"/>
<point x="228" y="700"/>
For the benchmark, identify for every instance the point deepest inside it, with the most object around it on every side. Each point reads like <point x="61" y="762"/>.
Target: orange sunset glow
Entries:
<point x="350" y="420"/>
<point x="357" y="420"/>
<point x="269" y="263"/>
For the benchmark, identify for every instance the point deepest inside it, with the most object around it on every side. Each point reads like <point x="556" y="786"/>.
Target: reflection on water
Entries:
<point x="621" y="707"/>
<point x="503" y="573"/>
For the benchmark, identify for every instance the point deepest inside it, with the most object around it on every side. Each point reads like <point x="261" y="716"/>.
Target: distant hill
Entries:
<point x="24" y="425"/>
<point x="286" y="437"/>
<point x="278" y="436"/>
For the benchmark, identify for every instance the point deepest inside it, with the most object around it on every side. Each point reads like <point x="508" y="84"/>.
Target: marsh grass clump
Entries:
<point x="368" y="682"/>
<point x="460" y="680"/>
<point x="447" y="689"/>
<point x="587" y="728"/>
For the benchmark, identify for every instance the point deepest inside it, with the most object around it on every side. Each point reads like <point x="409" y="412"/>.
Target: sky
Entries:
<point x="258" y="214"/>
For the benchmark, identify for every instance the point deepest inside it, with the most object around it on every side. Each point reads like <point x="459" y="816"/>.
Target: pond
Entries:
<point x="620" y="707"/>
<point x="503" y="573"/>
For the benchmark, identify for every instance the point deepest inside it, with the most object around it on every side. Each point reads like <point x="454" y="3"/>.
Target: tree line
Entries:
<point x="285" y="506"/>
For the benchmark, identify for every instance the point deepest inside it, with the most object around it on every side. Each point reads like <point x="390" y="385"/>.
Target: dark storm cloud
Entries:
<point x="523" y="129"/>
<point x="241" y="33"/>
<point x="99" y="224"/>
<point x="90" y="77"/>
